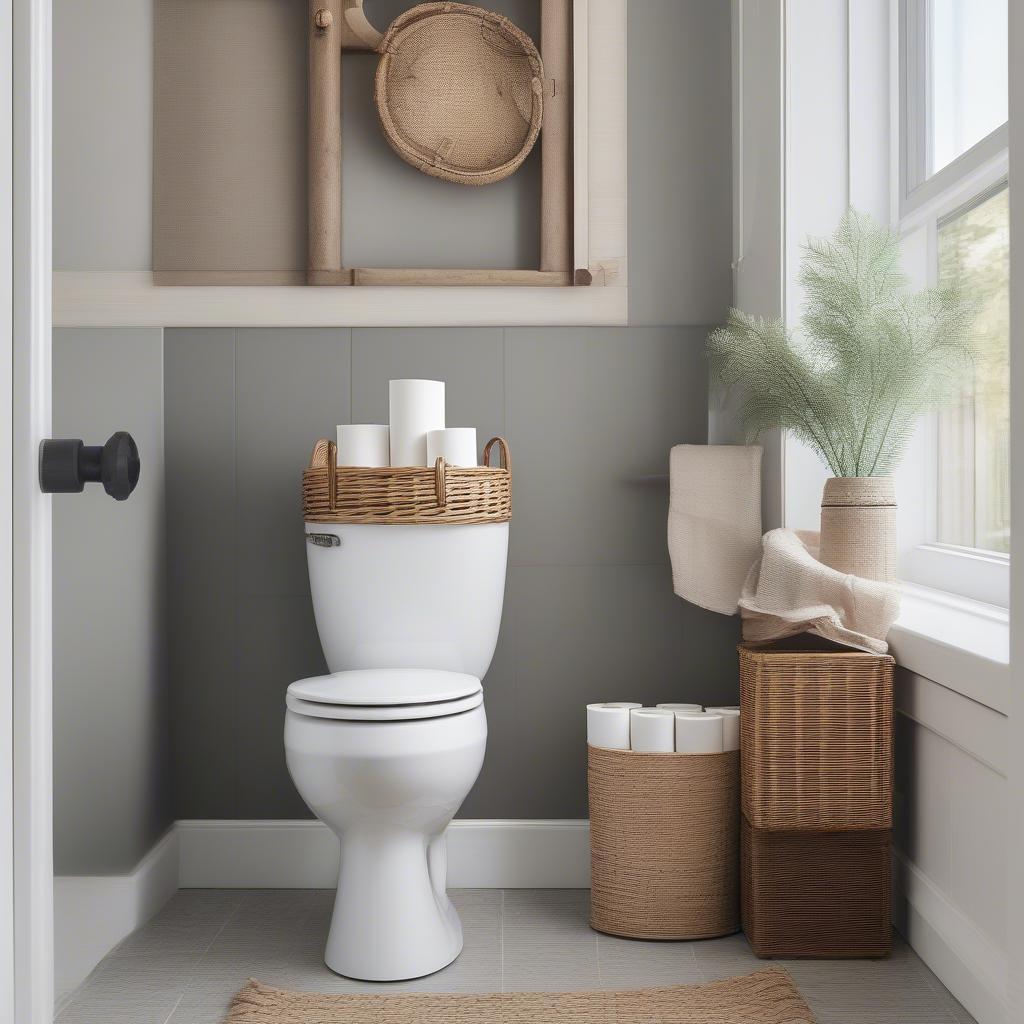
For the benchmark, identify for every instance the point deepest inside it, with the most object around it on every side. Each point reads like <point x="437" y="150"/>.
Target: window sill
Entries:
<point x="961" y="644"/>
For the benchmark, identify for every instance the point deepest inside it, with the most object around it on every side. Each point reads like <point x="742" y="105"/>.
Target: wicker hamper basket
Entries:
<point x="817" y="741"/>
<point x="664" y="843"/>
<point x="439" y="494"/>
<point x="817" y="894"/>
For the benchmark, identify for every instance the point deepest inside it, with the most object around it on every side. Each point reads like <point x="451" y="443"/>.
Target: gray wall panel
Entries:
<point x="680" y="161"/>
<point x="589" y="611"/>
<point x="591" y="414"/>
<point x="112" y="786"/>
<point x="468" y="359"/>
<point x="291" y="388"/>
<point x="200" y="434"/>
<point x="588" y="633"/>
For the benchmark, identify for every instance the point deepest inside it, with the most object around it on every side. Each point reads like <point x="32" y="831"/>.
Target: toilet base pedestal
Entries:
<point x="392" y="917"/>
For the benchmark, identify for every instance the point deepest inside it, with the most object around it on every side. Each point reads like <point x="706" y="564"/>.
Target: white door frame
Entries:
<point x="6" y="509"/>
<point x="1015" y="810"/>
<point x="26" y="860"/>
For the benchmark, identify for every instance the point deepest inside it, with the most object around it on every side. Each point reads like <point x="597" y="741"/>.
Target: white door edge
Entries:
<point x="29" y="962"/>
<point x="6" y="524"/>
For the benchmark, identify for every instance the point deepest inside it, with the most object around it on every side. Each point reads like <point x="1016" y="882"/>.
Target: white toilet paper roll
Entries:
<point x="456" y="445"/>
<point x="363" y="444"/>
<point x="417" y="407"/>
<point x="608" y="725"/>
<point x="652" y="730"/>
<point x="681" y="707"/>
<point x="698" y="733"/>
<point x="730" y="727"/>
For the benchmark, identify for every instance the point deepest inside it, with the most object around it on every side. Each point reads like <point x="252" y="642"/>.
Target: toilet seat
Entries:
<point x="384" y="695"/>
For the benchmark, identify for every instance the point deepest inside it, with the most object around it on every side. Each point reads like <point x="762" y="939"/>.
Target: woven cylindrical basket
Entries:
<point x="817" y="736"/>
<point x="459" y="92"/>
<point x="858" y="527"/>
<point x="439" y="494"/>
<point x="817" y="894"/>
<point x="664" y="844"/>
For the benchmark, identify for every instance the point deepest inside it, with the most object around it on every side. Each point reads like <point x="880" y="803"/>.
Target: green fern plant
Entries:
<point x="870" y="356"/>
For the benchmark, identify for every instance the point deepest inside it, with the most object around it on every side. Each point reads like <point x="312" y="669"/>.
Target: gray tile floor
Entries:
<point x="185" y="965"/>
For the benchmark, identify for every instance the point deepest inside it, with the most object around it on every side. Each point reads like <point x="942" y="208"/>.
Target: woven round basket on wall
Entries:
<point x="459" y="92"/>
<point x="858" y="527"/>
<point x="664" y="843"/>
<point x="438" y="494"/>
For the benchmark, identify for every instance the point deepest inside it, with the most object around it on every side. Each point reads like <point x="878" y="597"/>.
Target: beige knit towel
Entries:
<point x="714" y="522"/>
<point x="789" y="591"/>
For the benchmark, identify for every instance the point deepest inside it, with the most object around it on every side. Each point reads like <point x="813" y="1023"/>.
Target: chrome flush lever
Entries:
<point x="324" y="540"/>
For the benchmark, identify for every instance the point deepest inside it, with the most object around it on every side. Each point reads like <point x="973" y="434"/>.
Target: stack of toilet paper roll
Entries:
<point x="415" y="436"/>
<point x="663" y="729"/>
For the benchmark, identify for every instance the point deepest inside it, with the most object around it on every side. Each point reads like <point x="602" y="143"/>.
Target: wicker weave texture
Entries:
<point x="459" y="92"/>
<point x="664" y="843"/>
<point x="765" y="997"/>
<point x="441" y="494"/>
<point x="817" y="739"/>
<point x="858" y="527"/>
<point x="817" y="894"/>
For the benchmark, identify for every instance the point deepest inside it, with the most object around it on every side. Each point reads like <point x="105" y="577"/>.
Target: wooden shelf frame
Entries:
<point x="328" y="44"/>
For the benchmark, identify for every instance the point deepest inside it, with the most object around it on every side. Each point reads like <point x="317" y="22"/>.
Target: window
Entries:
<point x="953" y="203"/>
<point x="967" y="76"/>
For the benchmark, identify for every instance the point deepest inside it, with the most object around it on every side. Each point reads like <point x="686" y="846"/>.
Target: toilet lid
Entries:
<point x="385" y="695"/>
<point x="383" y="712"/>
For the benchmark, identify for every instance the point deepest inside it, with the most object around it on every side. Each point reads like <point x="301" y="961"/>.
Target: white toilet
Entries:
<point x="386" y="747"/>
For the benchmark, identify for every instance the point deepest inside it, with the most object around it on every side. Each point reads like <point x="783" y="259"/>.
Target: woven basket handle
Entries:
<point x="506" y="460"/>
<point x="332" y="474"/>
<point x="440" y="489"/>
<point x="325" y="457"/>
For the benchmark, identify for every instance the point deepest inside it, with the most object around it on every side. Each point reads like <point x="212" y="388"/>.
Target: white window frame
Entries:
<point x="920" y="204"/>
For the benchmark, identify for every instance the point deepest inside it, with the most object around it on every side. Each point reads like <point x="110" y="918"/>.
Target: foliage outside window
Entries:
<point x="974" y="435"/>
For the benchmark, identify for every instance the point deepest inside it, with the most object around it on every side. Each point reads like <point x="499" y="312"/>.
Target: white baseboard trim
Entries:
<point x="93" y="913"/>
<point x="482" y="854"/>
<point x="963" y="957"/>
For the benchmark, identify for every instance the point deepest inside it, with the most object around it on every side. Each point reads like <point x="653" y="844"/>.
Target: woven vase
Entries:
<point x="858" y="526"/>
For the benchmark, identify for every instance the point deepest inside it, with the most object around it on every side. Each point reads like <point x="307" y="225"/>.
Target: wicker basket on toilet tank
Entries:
<point x="664" y="843"/>
<point x="438" y="494"/>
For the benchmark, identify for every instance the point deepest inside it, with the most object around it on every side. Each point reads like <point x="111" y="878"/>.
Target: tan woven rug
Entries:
<point x="766" y="997"/>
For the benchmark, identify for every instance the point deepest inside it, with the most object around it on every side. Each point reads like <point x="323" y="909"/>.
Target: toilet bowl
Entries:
<point x="387" y="778"/>
<point x="385" y="748"/>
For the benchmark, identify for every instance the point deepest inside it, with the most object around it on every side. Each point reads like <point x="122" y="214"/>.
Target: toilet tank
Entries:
<point x="417" y="596"/>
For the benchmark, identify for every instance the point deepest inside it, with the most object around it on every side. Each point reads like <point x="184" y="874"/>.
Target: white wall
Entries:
<point x="837" y="155"/>
<point x="952" y="803"/>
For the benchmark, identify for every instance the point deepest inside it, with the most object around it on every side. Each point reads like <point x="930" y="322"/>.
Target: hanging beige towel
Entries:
<point x="789" y="591"/>
<point x="714" y="522"/>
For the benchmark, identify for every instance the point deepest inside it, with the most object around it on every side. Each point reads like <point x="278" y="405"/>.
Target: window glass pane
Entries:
<point x="968" y="61"/>
<point x="974" y="435"/>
